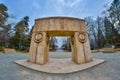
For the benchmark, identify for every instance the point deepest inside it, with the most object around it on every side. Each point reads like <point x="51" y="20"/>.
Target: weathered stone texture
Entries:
<point x="59" y="26"/>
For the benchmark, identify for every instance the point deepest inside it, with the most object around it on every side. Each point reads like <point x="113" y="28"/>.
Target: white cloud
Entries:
<point x="62" y="2"/>
<point x="72" y="3"/>
<point x="73" y="8"/>
<point x="68" y="3"/>
<point x="35" y="4"/>
<point x="61" y="7"/>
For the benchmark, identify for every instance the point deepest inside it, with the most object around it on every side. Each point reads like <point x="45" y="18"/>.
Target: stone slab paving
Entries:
<point x="59" y="65"/>
<point x="110" y="70"/>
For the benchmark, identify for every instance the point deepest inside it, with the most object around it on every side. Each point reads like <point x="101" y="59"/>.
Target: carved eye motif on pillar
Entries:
<point x="38" y="37"/>
<point x="82" y="37"/>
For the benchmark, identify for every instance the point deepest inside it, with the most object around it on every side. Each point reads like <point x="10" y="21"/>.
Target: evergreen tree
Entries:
<point x="3" y="14"/>
<point x="4" y="28"/>
<point x="111" y="32"/>
<point x="114" y="13"/>
<point x="21" y="28"/>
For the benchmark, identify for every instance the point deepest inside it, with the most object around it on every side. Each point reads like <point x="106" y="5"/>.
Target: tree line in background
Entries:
<point x="103" y="31"/>
<point x="65" y="44"/>
<point x="13" y="35"/>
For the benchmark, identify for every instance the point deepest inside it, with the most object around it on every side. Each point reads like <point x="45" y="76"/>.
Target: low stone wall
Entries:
<point x="97" y="50"/>
<point x="9" y="51"/>
<point x="108" y="50"/>
<point x="117" y="49"/>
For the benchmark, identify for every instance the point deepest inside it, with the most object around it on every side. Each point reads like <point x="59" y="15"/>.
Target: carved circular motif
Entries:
<point x="38" y="37"/>
<point x="82" y="37"/>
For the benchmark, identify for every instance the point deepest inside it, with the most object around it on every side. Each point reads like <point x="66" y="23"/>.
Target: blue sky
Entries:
<point x="44" y="8"/>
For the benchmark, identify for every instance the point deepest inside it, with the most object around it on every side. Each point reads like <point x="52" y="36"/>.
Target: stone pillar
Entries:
<point x="87" y="50"/>
<point x="39" y="48"/>
<point x="73" y="48"/>
<point x="32" y="50"/>
<point x="80" y="48"/>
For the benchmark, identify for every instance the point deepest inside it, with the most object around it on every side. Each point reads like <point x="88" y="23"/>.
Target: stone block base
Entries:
<point x="59" y="65"/>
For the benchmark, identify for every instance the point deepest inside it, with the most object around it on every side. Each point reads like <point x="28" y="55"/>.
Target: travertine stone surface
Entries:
<point x="59" y="65"/>
<point x="79" y="50"/>
<point x="33" y="49"/>
<point x="59" y="26"/>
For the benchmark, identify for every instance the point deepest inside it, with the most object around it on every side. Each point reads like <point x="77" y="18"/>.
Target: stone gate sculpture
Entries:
<point x="59" y="26"/>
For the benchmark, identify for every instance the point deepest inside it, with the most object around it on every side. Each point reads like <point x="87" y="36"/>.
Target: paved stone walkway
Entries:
<point x="110" y="70"/>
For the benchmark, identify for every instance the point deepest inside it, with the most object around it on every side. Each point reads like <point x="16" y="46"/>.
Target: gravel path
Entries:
<point x="110" y="70"/>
